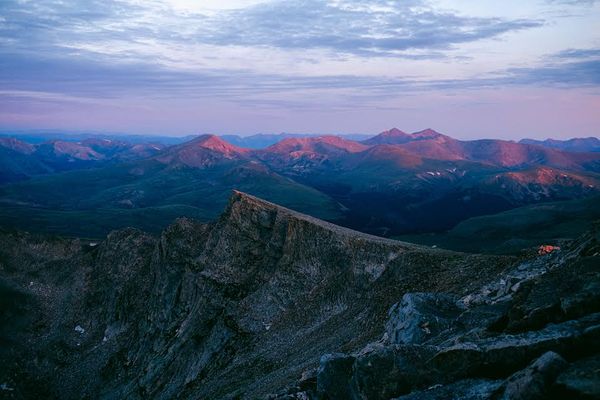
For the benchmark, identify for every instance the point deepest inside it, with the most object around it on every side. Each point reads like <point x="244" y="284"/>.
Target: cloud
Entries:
<point x="57" y="51"/>
<point x="382" y="28"/>
<point x="362" y="28"/>
<point x="577" y="54"/>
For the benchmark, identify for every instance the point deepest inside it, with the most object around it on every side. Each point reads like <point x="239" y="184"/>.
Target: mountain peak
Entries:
<point x="17" y="145"/>
<point x="215" y="143"/>
<point x="202" y="152"/>
<point x="427" y="134"/>
<point x="319" y="144"/>
<point x="391" y="136"/>
<point x="396" y="136"/>
<point x="393" y="132"/>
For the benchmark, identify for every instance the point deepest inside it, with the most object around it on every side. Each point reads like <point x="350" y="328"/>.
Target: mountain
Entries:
<point x="68" y="151"/>
<point x="392" y="136"/>
<point x="263" y="140"/>
<point x="21" y="160"/>
<point x="41" y="136"/>
<point x="16" y="145"/>
<point x="265" y="302"/>
<point x="590" y="144"/>
<point x="426" y="182"/>
<point x="302" y="153"/>
<point x="396" y="136"/>
<point x="204" y="151"/>
<point x="192" y="179"/>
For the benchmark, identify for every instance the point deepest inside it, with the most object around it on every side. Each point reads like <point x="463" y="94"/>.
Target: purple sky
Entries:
<point x="470" y="68"/>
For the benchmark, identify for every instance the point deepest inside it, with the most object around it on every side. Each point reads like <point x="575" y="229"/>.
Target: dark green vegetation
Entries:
<point x="146" y="195"/>
<point x="513" y="230"/>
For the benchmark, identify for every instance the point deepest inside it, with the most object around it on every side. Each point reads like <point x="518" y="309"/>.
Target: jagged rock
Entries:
<point x="333" y="376"/>
<point x="580" y="381"/>
<point x="383" y="372"/>
<point x="237" y="308"/>
<point x="558" y="295"/>
<point x="419" y="317"/>
<point x="498" y="356"/>
<point x="469" y="389"/>
<point x="534" y="382"/>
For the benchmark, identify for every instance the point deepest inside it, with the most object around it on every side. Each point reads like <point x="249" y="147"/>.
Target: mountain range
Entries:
<point x="394" y="183"/>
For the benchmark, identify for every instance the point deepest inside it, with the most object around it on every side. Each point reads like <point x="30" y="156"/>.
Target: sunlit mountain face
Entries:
<point x="299" y="199"/>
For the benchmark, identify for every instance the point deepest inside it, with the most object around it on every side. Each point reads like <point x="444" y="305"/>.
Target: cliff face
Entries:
<point x="238" y="308"/>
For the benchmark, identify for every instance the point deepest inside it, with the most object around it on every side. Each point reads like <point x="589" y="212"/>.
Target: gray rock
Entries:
<point x="469" y="389"/>
<point x="535" y="381"/>
<point x="388" y="371"/>
<point x="333" y="376"/>
<point x="419" y="317"/>
<point x="500" y="355"/>
<point x="581" y="380"/>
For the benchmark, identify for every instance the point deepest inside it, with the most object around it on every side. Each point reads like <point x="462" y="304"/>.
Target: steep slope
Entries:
<point x="234" y="309"/>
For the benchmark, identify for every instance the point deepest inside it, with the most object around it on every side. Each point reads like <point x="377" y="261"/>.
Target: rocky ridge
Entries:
<point x="233" y="309"/>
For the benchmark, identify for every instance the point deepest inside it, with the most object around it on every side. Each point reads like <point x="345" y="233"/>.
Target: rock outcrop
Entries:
<point x="532" y="333"/>
<point x="267" y="302"/>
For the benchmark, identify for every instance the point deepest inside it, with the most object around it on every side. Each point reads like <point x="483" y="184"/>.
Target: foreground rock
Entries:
<point x="532" y="333"/>
<point x="269" y="303"/>
<point x="240" y="308"/>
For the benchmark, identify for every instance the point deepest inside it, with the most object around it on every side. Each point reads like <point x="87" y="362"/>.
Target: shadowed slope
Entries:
<point x="239" y="307"/>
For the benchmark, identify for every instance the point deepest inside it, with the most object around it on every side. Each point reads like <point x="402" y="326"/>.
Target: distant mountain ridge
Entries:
<point x="589" y="144"/>
<point x="393" y="183"/>
<point x="20" y="160"/>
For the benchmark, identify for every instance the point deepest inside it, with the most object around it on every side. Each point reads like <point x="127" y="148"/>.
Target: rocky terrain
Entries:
<point x="269" y="303"/>
<point x="533" y="333"/>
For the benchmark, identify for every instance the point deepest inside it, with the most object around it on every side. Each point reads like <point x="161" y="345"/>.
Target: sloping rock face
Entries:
<point x="239" y="308"/>
<point x="533" y="333"/>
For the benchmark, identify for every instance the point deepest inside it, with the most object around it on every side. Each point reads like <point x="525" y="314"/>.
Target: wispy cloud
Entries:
<point x="272" y="54"/>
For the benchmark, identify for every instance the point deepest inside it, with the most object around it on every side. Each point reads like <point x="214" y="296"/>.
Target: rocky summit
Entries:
<point x="265" y="302"/>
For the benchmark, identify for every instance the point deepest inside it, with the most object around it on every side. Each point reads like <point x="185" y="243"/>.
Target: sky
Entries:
<point x="471" y="68"/>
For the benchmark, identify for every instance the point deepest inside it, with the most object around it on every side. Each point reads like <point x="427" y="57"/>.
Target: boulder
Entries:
<point x="419" y="317"/>
<point x="534" y="382"/>
<point x="384" y="372"/>
<point x="333" y="376"/>
<point x="581" y="380"/>
<point x="468" y="389"/>
<point x="498" y="356"/>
